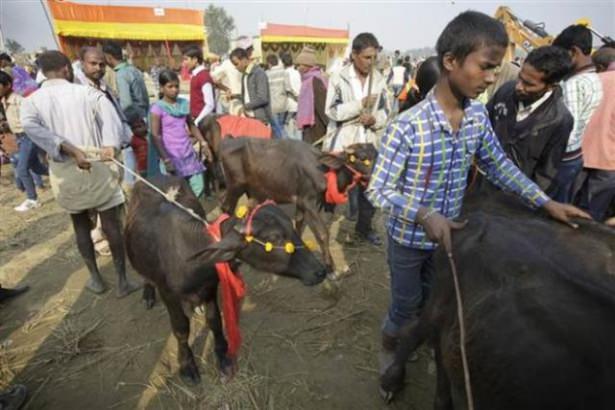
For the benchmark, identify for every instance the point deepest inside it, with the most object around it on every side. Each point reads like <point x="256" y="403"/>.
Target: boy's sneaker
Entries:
<point x="27" y="205"/>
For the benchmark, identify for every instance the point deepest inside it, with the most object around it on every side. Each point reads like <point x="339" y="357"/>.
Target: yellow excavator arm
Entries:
<point x="524" y="35"/>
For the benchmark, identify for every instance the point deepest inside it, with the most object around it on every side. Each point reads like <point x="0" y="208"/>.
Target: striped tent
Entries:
<point x="146" y="33"/>
<point x="328" y="43"/>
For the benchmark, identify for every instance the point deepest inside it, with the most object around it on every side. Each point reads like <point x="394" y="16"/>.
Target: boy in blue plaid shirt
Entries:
<point x="420" y="176"/>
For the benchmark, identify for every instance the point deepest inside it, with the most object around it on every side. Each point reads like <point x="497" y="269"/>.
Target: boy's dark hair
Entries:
<point x="194" y="52"/>
<point x="554" y="62"/>
<point x="363" y="41"/>
<point x="166" y="76"/>
<point x="468" y="32"/>
<point x="52" y="61"/>
<point x="287" y="59"/>
<point x="239" y="53"/>
<point x="272" y="60"/>
<point x="427" y="75"/>
<point x="5" y="79"/>
<point x="132" y="115"/>
<point x="576" y="35"/>
<point x="6" y="57"/>
<point x="114" y="49"/>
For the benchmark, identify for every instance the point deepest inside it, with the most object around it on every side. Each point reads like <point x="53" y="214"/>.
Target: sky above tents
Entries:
<point x="397" y="24"/>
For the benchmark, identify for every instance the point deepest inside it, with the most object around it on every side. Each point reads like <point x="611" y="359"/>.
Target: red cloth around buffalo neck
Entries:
<point x="333" y="195"/>
<point x="233" y="290"/>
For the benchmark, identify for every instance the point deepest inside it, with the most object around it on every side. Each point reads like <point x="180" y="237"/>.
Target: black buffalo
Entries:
<point x="539" y="300"/>
<point x="174" y="254"/>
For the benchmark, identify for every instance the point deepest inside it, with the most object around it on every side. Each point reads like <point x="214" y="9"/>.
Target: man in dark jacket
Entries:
<point x="529" y="116"/>
<point x="254" y="87"/>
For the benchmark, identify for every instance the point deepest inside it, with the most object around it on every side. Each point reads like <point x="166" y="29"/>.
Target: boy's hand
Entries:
<point x="438" y="227"/>
<point x="563" y="213"/>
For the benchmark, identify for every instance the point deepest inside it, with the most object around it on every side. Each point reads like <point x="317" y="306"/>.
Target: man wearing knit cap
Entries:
<point x="311" y="117"/>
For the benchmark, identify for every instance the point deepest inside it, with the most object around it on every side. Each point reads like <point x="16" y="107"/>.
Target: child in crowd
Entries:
<point x="171" y="129"/>
<point x="420" y="175"/>
<point x="27" y="161"/>
<point x="139" y="139"/>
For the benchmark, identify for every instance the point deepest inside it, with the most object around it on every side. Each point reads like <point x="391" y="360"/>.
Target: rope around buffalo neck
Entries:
<point x="462" y="334"/>
<point x="169" y="195"/>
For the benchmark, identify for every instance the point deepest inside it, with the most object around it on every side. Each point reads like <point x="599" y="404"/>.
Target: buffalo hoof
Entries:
<point x="96" y="285"/>
<point x="190" y="374"/>
<point x="228" y="370"/>
<point x="387" y="396"/>
<point x="13" y="398"/>
<point x="149" y="303"/>
<point x="392" y="381"/>
<point x="11" y="293"/>
<point x="127" y="288"/>
<point x="149" y="296"/>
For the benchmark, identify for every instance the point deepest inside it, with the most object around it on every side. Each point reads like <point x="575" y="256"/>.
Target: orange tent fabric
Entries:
<point x="302" y="34"/>
<point x="126" y="22"/>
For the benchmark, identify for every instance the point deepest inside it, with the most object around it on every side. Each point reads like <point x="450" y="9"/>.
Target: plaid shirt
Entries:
<point x="582" y="95"/>
<point x="421" y="162"/>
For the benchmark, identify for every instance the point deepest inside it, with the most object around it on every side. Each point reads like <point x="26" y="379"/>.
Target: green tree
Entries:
<point x="219" y="28"/>
<point x="13" y="46"/>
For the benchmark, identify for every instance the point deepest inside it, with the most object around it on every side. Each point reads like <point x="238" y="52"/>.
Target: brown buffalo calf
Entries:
<point x="292" y="172"/>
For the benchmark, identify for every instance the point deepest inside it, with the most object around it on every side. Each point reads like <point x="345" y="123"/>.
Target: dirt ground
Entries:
<point x="303" y="349"/>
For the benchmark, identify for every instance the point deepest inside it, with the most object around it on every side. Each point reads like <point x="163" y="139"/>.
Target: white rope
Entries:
<point x="169" y="196"/>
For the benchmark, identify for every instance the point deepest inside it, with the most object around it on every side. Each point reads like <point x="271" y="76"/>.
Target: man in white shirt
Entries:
<point x="228" y="79"/>
<point x="277" y="94"/>
<point x="398" y="79"/>
<point x="292" y="87"/>
<point x="67" y="120"/>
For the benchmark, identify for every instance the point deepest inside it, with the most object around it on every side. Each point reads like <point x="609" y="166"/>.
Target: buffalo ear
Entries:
<point x="331" y="161"/>
<point x="223" y="251"/>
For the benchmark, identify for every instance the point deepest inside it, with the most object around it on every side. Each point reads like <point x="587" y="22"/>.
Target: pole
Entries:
<point x="2" y="45"/>
<point x="55" y="38"/>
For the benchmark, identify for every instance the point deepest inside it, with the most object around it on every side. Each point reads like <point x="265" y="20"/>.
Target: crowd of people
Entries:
<point x="546" y="134"/>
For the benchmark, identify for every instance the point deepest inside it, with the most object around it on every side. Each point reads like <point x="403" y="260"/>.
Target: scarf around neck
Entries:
<point x="306" y="116"/>
<point x="180" y="109"/>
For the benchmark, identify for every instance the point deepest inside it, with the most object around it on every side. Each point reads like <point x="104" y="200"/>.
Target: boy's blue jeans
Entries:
<point x="412" y="273"/>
